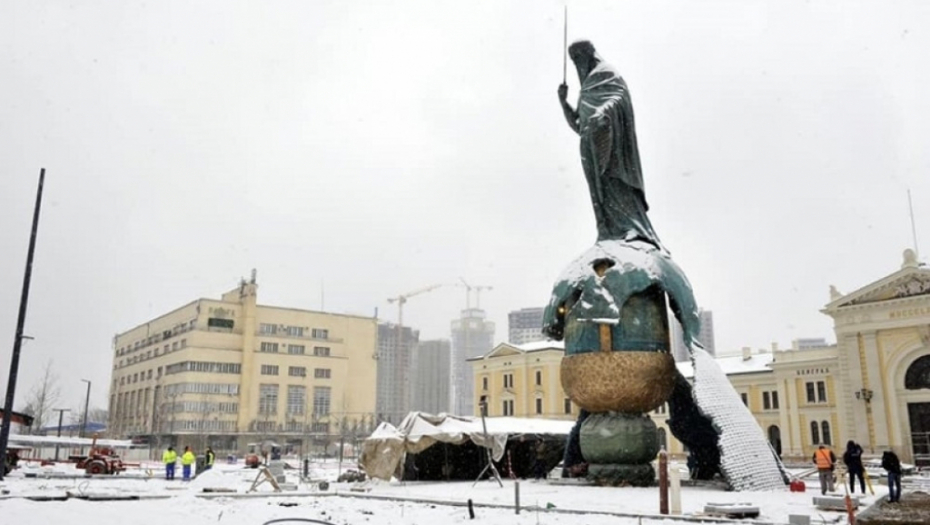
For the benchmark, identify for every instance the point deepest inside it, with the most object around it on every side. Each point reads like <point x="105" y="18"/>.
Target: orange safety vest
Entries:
<point x="823" y="458"/>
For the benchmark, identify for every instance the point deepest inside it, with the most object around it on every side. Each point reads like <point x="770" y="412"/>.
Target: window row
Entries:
<point x="291" y="331"/>
<point x="179" y="328"/>
<point x="296" y="371"/>
<point x="203" y="366"/>
<point x="151" y="354"/>
<point x="211" y="425"/>
<point x="269" y="347"/>
<point x="296" y="400"/>
<point x="201" y="407"/>
<point x="201" y="388"/>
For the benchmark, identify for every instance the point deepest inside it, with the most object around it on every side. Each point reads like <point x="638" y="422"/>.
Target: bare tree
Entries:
<point x="42" y="399"/>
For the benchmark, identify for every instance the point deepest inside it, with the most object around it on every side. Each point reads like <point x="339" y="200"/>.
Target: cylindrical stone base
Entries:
<point x="619" y="449"/>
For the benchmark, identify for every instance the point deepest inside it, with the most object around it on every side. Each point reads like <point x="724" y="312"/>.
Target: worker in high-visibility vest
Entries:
<point x="169" y="458"/>
<point x="187" y="460"/>
<point x="210" y="458"/>
<point x="825" y="461"/>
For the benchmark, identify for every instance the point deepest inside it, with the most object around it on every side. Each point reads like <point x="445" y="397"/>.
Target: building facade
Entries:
<point x="472" y="336"/>
<point x="525" y="326"/>
<point x="872" y="386"/>
<point x="395" y="345"/>
<point x="230" y="372"/>
<point x="431" y="376"/>
<point x="522" y="381"/>
<point x="706" y="336"/>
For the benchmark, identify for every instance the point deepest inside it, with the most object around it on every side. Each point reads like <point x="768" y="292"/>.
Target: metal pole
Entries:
<point x="663" y="482"/>
<point x="86" y="408"/>
<point x="61" y="413"/>
<point x="20" y="323"/>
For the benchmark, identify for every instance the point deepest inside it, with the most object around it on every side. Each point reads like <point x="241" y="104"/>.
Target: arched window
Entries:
<point x="918" y="374"/>
<point x="663" y="442"/>
<point x="815" y="433"/>
<point x="775" y="438"/>
<point x="825" y="432"/>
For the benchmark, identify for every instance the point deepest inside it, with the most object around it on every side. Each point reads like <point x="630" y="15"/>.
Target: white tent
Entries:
<point x="383" y="452"/>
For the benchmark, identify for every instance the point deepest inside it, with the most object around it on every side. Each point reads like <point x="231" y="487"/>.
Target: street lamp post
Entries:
<point x="86" y="408"/>
<point x="61" y="413"/>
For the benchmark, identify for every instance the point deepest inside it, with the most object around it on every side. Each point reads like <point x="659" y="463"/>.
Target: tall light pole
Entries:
<point x="86" y="407"/>
<point x="61" y="413"/>
<point x="20" y="322"/>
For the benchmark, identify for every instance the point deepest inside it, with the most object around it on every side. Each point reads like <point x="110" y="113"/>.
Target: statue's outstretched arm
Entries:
<point x="571" y="116"/>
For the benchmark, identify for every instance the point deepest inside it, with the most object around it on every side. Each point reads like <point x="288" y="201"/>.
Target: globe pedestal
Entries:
<point x="619" y="449"/>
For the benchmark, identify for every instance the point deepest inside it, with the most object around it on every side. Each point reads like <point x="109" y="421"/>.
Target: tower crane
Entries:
<point x="401" y="299"/>
<point x="477" y="288"/>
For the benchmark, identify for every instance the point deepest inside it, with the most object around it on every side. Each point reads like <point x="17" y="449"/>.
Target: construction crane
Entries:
<point x="401" y="299"/>
<point x="477" y="289"/>
<point x="400" y="370"/>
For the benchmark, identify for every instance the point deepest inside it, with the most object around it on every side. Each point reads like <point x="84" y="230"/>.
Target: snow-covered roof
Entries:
<point x="540" y="345"/>
<point x="734" y="365"/>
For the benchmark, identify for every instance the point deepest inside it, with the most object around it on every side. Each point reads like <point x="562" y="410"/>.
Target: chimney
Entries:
<point x="774" y="347"/>
<point x="747" y="353"/>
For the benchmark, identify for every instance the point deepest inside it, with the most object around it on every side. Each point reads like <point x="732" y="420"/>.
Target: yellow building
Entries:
<point x="872" y="387"/>
<point x="230" y="372"/>
<point x="522" y="381"/>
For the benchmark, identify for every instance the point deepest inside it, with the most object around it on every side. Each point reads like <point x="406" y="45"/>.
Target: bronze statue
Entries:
<point x="609" y="154"/>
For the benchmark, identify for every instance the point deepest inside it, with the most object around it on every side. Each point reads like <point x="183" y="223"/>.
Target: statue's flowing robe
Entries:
<point x="610" y="158"/>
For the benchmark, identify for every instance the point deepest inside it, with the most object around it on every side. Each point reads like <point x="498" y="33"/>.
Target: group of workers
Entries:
<point x="170" y="459"/>
<point x="852" y="458"/>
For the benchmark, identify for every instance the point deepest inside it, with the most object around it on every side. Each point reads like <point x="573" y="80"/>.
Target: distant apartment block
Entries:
<point x="394" y="349"/>
<point x="431" y="376"/>
<point x="472" y="336"/>
<point x="525" y="326"/>
<point x="706" y="336"/>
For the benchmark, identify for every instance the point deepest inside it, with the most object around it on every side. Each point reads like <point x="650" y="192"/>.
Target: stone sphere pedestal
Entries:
<point x="619" y="449"/>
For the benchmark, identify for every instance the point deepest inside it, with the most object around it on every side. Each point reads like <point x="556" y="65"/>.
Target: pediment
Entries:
<point x="503" y="350"/>
<point x="907" y="282"/>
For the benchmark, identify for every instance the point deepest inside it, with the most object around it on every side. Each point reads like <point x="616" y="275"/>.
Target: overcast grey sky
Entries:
<point x="379" y="147"/>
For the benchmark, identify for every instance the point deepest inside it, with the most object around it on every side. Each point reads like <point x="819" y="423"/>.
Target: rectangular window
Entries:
<point x="745" y="399"/>
<point x="267" y="399"/>
<point x="269" y="348"/>
<point x="319" y="333"/>
<point x="221" y="324"/>
<point x="539" y="405"/>
<point x="508" y="380"/>
<point x="269" y="370"/>
<point x="296" y="396"/>
<point x="296" y="349"/>
<point x="321" y="396"/>
<point x="821" y="392"/>
<point x="321" y="373"/>
<point x="319" y="428"/>
<point x="539" y="378"/>
<point x="766" y="401"/>
<point x="810" y="393"/>
<point x="508" y="407"/>
<point x="295" y="331"/>
<point x="567" y="407"/>
<point x="267" y="329"/>
<point x="322" y="351"/>
<point x="484" y="383"/>
<point x="297" y="371"/>
<point x="775" y="400"/>
<point x="174" y="346"/>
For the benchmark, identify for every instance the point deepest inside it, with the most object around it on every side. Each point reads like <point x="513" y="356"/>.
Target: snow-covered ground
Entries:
<point x="377" y="502"/>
